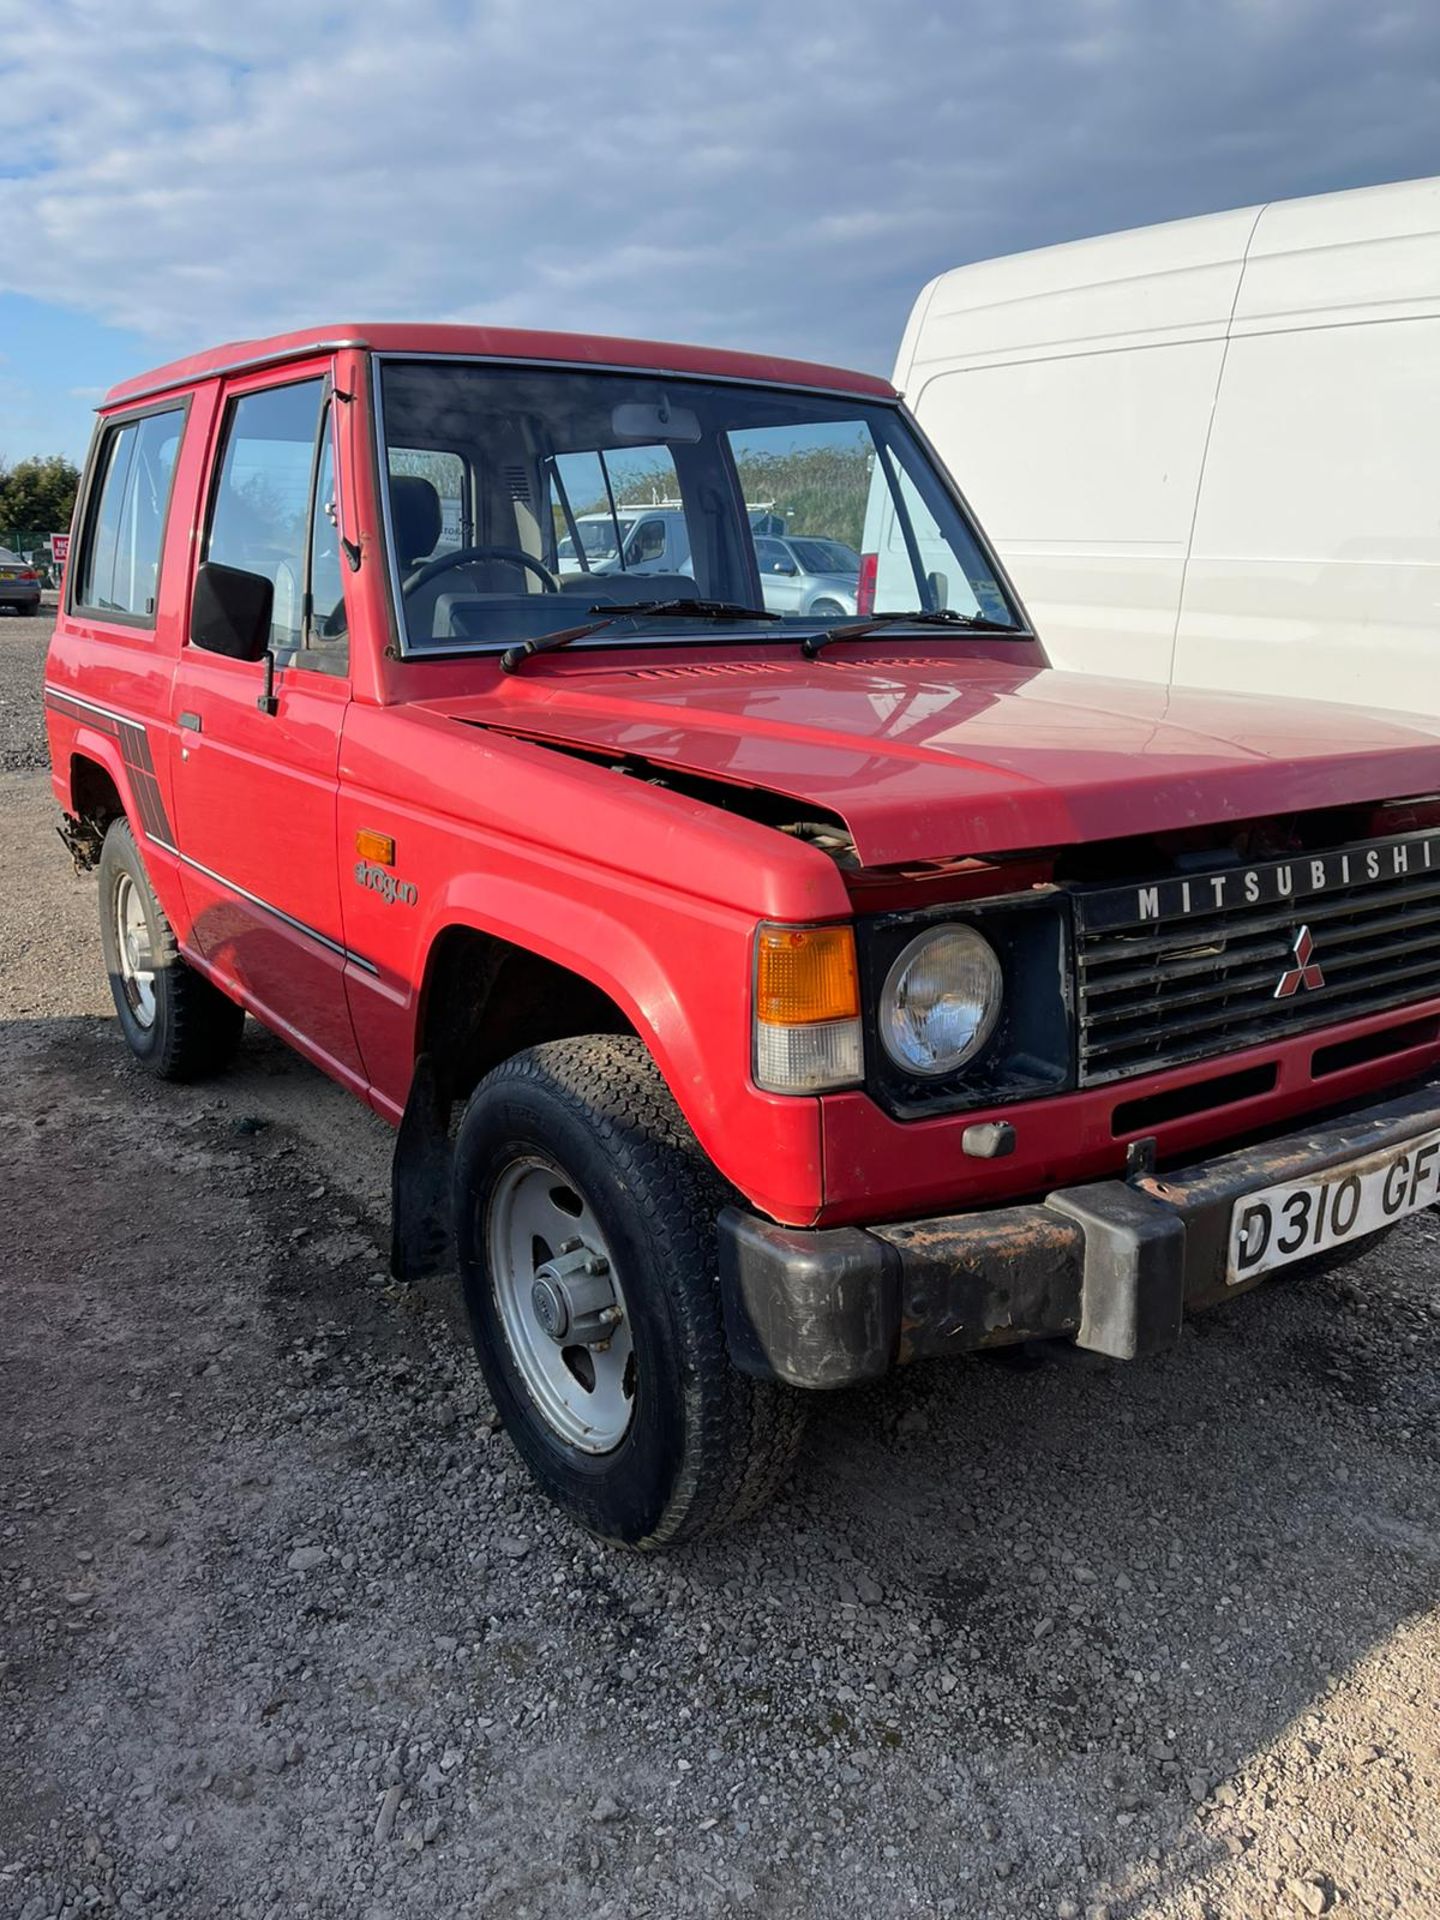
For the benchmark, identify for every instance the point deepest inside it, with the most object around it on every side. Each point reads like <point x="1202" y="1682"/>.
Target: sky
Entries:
<point x="176" y="173"/>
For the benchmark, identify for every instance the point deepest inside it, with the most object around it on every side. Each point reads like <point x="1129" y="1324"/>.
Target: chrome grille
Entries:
<point x="1191" y="967"/>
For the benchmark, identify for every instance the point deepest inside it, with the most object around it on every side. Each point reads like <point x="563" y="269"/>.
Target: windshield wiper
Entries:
<point x="924" y="617"/>
<point x="514" y="657"/>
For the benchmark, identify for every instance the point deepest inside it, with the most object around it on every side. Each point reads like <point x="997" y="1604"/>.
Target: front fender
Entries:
<point x="684" y="985"/>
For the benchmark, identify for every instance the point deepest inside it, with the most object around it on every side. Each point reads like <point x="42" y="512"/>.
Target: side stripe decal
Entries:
<point x="134" y="746"/>
<point x="134" y="742"/>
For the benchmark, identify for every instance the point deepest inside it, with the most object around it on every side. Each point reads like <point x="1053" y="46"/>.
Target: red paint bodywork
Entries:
<point x="927" y="749"/>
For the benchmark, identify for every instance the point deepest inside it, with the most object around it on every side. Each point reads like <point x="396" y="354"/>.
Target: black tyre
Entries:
<point x="1337" y="1258"/>
<point x="585" y="1228"/>
<point x="171" y="1016"/>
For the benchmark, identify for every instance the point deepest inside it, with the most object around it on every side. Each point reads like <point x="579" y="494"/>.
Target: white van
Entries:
<point x="1210" y="451"/>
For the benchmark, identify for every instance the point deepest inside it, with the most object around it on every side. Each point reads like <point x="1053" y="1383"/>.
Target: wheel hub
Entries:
<point x="574" y="1297"/>
<point x="137" y="962"/>
<point x="561" y="1304"/>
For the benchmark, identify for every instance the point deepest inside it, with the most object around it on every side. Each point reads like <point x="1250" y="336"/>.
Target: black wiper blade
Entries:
<point x="702" y="609"/>
<point x="921" y="617"/>
<point x="514" y="657"/>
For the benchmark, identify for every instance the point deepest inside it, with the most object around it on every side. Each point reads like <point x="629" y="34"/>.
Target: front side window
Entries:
<point x="588" y="490"/>
<point x="118" y="571"/>
<point x="260" y="512"/>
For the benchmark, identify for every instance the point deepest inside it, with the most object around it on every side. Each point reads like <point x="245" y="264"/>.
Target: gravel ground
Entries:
<point x="284" y="1632"/>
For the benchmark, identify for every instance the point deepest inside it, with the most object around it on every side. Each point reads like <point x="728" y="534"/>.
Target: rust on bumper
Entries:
<point x="1113" y="1265"/>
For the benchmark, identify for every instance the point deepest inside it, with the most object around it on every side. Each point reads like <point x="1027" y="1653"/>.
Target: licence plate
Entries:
<point x="1289" y="1222"/>
<point x="9" y="573"/>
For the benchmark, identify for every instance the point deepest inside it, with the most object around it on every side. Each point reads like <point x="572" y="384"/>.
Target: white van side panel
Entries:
<point x="1169" y="283"/>
<point x="1315" y="567"/>
<point x="1373" y="254"/>
<point x="1091" y="500"/>
<point x="1071" y="391"/>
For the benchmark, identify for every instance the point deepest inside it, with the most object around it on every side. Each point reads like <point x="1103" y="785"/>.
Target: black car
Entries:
<point x="19" y="583"/>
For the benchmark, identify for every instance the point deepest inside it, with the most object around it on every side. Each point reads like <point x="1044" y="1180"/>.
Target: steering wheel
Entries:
<point x="468" y="556"/>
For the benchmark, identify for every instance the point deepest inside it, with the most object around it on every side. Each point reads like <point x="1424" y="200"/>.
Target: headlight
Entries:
<point x="940" y="1001"/>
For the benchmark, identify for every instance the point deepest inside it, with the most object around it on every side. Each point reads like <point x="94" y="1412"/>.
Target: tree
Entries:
<point x="38" y="495"/>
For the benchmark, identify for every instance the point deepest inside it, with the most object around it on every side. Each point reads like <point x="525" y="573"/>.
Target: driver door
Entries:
<point x="256" y="788"/>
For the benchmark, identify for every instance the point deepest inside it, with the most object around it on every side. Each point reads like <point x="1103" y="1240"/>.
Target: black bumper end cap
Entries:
<point x="834" y="1321"/>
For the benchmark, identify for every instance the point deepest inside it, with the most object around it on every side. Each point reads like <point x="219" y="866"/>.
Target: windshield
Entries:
<point x="586" y="490"/>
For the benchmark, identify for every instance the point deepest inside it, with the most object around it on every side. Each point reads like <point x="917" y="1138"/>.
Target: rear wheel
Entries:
<point x="585" y="1228"/>
<point x="828" y="610"/>
<point x="180" y="1026"/>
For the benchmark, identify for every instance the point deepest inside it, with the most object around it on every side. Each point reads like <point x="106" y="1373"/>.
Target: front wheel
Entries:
<point x="585" y="1228"/>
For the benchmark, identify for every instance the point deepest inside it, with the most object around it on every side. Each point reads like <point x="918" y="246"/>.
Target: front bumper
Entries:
<point x="1113" y="1266"/>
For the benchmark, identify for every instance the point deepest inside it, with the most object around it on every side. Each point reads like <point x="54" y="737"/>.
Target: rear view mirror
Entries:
<point x="639" y="420"/>
<point x="230" y="611"/>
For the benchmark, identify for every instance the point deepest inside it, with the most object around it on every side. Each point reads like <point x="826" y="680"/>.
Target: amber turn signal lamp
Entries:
<point x="378" y="847"/>
<point x="805" y="974"/>
<point x="807" y="1009"/>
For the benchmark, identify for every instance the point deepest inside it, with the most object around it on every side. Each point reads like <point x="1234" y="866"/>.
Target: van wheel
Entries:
<point x="827" y="610"/>
<point x="585" y="1229"/>
<point x="180" y="1026"/>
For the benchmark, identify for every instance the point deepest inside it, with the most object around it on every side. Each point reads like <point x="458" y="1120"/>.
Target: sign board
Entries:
<point x="60" y="550"/>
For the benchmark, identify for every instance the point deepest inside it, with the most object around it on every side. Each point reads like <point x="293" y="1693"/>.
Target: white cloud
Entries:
<point x="734" y="173"/>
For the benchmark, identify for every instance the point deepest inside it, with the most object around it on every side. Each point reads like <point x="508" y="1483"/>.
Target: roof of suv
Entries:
<point x="502" y="343"/>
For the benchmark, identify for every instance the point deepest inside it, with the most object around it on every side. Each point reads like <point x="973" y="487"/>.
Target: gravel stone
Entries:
<point x="385" y="1819"/>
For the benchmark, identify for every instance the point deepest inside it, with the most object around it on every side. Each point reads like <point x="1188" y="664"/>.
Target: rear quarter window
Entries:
<point x="117" y="571"/>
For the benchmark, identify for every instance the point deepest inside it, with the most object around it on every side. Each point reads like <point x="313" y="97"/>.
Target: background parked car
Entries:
<point x="19" y="583"/>
<point x="808" y="576"/>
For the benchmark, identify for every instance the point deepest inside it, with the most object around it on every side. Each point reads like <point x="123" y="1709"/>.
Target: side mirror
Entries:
<point x="230" y="611"/>
<point x="783" y="566"/>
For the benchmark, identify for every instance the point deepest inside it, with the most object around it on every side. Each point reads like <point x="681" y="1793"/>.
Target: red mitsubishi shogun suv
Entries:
<point x="763" y="997"/>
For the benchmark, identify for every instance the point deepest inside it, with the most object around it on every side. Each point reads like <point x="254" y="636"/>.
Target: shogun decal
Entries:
<point x="395" y="893"/>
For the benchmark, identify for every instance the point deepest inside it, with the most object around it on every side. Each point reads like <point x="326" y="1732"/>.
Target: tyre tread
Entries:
<point x="745" y="1432"/>
<point x="201" y="1026"/>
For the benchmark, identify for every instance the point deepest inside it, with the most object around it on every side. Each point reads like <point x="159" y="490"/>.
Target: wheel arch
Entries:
<point x="95" y="792"/>
<point x="524" y="998"/>
<point x="483" y="998"/>
<point x="677" y="977"/>
<point x="91" y="799"/>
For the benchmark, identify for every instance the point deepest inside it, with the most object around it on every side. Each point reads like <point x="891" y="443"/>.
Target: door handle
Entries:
<point x="190" y="721"/>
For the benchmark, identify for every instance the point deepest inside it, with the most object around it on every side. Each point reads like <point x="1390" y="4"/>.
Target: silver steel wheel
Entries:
<point x="132" y="943"/>
<point x="561" y="1306"/>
